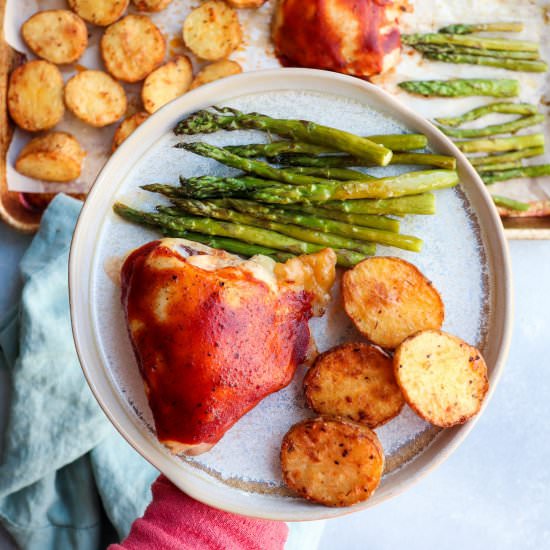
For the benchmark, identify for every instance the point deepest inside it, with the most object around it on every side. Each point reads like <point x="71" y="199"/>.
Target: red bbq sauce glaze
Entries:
<point x="306" y="35"/>
<point x="224" y="341"/>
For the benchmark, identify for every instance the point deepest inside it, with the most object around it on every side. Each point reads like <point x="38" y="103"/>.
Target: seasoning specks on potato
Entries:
<point x="332" y="461"/>
<point x="58" y="36"/>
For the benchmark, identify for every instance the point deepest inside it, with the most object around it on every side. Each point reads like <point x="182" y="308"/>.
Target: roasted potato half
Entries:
<point x="35" y="96"/>
<point x="215" y="71"/>
<point x="354" y="381"/>
<point x="389" y="299"/>
<point x="212" y="31"/>
<point x="166" y="83"/>
<point x="132" y="48"/>
<point x="99" y="12"/>
<point x="127" y="126"/>
<point x="58" y="36"/>
<point x="52" y="157"/>
<point x="151" y="5"/>
<point x="332" y="461"/>
<point x="246" y="3"/>
<point x="95" y="98"/>
<point x="443" y="378"/>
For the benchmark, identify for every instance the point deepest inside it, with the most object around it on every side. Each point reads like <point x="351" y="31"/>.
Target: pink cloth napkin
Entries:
<point x="175" y="521"/>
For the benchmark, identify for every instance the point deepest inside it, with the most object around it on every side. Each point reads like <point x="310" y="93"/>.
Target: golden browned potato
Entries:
<point x="389" y="299"/>
<point x="215" y="71"/>
<point x="52" y="157"/>
<point x="246" y="3"/>
<point x="443" y="378"/>
<point x="58" y="36"/>
<point x="95" y="98"/>
<point x="212" y="31"/>
<point x="35" y="96"/>
<point x="132" y="48"/>
<point x="332" y="461"/>
<point x="99" y="12"/>
<point x="355" y="381"/>
<point x="151" y="5"/>
<point x="166" y="83"/>
<point x="127" y="126"/>
<point x="360" y="38"/>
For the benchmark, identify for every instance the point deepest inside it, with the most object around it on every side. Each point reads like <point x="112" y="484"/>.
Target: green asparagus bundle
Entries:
<point x="248" y="234"/>
<point x="285" y="221"/>
<point x="495" y="145"/>
<point x="395" y="142"/>
<point x="520" y="65"/>
<point x="461" y="50"/>
<point x="458" y="87"/>
<point x="467" y="41"/>
<point x="524" y="109"/>
<point x="462" y="28"/>
<point x="524" y="172"/>
<point x="340" y="161"/>
<point x="306" y="234"/>
<point x="495" y="129"/>
<point x="300" y="130"/>
<point x="506" y="157"/>
<point x="511" y="204"/>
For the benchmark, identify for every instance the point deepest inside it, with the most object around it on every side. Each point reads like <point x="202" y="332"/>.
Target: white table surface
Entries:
<point x="494" y="492"/>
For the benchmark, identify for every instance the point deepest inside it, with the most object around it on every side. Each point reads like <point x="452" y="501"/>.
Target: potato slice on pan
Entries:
<point x="354" y="381"/>
<point x="151" y="5"/>
<point x="99" y="12"/>
<point x="443" y="378"/>
<point x="166" y="83"/>
<point x="215" y="71"/>
<point x="389" y="299"/>
<point x="332" y="461"/>
<point x="58" y="36"/>
<point x="127" y="126"/>
<point x="212" y="31"/>
<point x="132" y="48"/>
<point x="95" y="98"/>
<point x="35" y="96"/>
<point x="52" y="157"/>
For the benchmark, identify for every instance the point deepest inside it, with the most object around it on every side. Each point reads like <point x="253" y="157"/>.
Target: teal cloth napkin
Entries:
<point x="66" y="476"/>
<point x="65" y="472"/>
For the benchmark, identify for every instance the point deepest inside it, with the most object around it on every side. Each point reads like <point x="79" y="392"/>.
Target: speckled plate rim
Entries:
<point x="197" y="483"/>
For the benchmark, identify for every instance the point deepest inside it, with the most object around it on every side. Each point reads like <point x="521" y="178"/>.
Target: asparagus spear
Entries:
<point x="330" y="173"/>
<point x="462" y="28"/>
<point x="506" y="54"/>
<point x="521" y="65"/>
<point x="251" y="166"/>
<point x="498" y="167"/>
<point x="498" y="107"/>
<point x="231" y="245"/>
<point x="470" y="42"/>
<point x="412" y="204"/>
<point x="307" y="234"/>
<point x="458" y="87"/>
<point x="495" y="129"/>
<point x="411" y="183"/>
<point x="337" y="161"/>
<point x="511" y="204"/>
<point x="278" y="218"/>
<point x="506" y="157"/>
<point x="524" y="172"/>
<point x="395" y="142"/>
<point x="495" y="145"/>
<point x="252" y="235"/>
<point x="302" y="130"/>
<point x="376" y="221"/>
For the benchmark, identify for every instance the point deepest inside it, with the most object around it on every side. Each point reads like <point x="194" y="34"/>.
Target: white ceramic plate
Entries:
<point x="465" y="255"/>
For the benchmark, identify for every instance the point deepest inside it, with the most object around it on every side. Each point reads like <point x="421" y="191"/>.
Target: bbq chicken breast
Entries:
<point x="356" y="37"/>
<point x="214" y="334"/>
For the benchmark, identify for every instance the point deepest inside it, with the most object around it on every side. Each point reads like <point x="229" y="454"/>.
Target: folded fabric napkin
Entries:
<point x="66" y="476"/>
